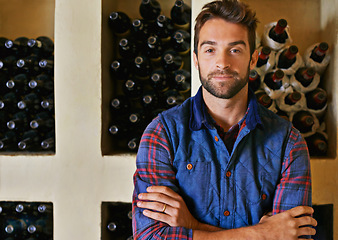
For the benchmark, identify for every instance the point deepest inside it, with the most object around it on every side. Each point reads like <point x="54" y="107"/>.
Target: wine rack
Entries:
<point x="116" y="221"/>
<point x="26" y="220"/>
<point x="113" y="86"/>
<point x="87" y="169"/>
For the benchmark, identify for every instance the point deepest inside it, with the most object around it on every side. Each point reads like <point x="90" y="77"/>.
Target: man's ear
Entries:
<point x="254" y="59"/>
<point x="195" y="60"/>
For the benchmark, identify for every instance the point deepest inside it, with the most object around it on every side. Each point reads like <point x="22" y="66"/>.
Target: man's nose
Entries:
<point x="222" y="61"/>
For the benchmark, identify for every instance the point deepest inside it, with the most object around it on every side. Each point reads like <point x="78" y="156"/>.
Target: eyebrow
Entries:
<point x="239" y="42"/>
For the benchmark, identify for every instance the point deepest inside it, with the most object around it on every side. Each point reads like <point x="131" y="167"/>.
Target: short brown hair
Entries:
<point x="231" y="11"/>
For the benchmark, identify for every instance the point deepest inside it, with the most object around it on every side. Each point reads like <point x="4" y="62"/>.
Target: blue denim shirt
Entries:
<point x="267" y="170"/>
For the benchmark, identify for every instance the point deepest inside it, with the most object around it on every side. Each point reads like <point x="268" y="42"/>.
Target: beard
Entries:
<point x="227" y="89"/>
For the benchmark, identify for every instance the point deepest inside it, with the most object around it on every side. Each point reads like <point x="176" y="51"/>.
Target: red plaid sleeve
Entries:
<point x="154" y="167"/>
<point x="294" y="188"/>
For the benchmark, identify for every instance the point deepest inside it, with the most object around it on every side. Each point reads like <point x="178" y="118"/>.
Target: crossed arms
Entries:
<point x="160" y="212"/>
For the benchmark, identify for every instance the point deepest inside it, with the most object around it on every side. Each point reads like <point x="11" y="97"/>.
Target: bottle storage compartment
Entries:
<point x="116" y="221"/>
<point x="136" y="87"/>
<point x="26" y="220"/>
<point x="307" y="26"/>
<point x="27" y="122"/>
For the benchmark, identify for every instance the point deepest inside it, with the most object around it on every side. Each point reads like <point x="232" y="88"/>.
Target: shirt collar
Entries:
<point x="200" y="116"/>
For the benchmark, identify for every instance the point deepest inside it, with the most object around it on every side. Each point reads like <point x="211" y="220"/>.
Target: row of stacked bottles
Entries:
<point x="151" y="68"/>
<point x="27" y="94"/>
<point x="26" y="220"/>
<point x="116" y="222"/>
<point x="290" y="84"/>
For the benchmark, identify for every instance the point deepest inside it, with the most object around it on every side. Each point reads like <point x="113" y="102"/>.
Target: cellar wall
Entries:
<point x="78" y="178"/>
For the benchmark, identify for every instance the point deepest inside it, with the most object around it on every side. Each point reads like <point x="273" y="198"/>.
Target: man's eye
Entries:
<point x="209" y="50"/>
<point x="235" y="51"/>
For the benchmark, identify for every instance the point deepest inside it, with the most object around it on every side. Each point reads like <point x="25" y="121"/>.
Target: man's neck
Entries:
<point x="227" y="112"/>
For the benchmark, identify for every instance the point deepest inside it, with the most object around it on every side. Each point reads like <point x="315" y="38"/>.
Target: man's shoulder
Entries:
<point x="270" y="118"/>
<point x="177" y="112"/>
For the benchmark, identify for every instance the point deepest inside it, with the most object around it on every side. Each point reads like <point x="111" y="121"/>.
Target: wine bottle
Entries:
<point x="19" y="122"/>
<point x="319" y="51"/>
<point x="305" y="76"/>
<point x="133" y="143"/>
<point x="164" y="28"/>
<point x="4" y="118"/>
<point x="8" y="102"/>
<point x="19" y="84"/>
<point x="278" y="33"/>
<point x="154" y="48"/>
<point x="142" y="67"/>
<point x="172" y="98"/>
<point x="47" y="102"/>
<point x="182" y="79"/>
<point x="254" y="80"/>
<point x="128" y="48"/>
<point x="317" y="144"/>
<point x="137" y="119"/>
<point x="159" y="81"/>
<point x="181" y="42"/>
<point x="287" y="58"/>
<point x="120" y="104"/>
<point x="42" y="84"/>
<point x="274" y="79"/>
<point x="317" y="56"/>
<point x="31" y="103"/>
<point x="149" y="100"/>
<point x="303" y="121"/>
<point x="8" y="141"/>
<point x="119" y="69"/>
<point x="140" y="30"/>
<point x="292" y="98"/>
<point x="42" y="121"/>
<point x="150" y="9"/>
<point x="180" y="14"/>
<point x="42" y="46"/>
<point x="133" y="88"/>
<point x="316" y="99"/>
<point x="29" y="65"/>
<point x="171" y="61"/>
<point x="14" y="226"/>
<point x="46" y="65"/>
<point x="20" y="47"/>
<point x="119" y="23"/>
<point x="30" y="140"/>
<point x="7" y="63"/>
<point x="47" y="143"/>
<point x="5" y="47"/>
<point x="263" y="99"/>
<point x="118" y="129"/>
<point x="4" y="78"/>
<point x="263" y="56"/>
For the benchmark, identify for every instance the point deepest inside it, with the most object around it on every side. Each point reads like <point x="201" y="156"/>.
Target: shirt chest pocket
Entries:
<point x="194" y="179"/>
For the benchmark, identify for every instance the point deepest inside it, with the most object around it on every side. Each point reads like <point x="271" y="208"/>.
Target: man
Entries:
<point x="221" y="166"/>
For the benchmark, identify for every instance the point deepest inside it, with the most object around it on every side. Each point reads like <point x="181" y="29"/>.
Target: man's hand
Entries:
<point x="289" y="224"/>
<point x="165" y="205"/>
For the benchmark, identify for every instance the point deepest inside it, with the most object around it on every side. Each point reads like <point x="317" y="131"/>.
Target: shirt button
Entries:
<point x="216" y="138"/>
<point x="228" y="174"/>
<point x="226" y="213"/>
<point x="189" y="166"/>
<point x="263" y="196"/>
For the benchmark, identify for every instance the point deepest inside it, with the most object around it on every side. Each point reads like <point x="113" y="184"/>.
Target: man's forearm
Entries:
<point x="288" y="225"/>
<point x="244" y="233"/>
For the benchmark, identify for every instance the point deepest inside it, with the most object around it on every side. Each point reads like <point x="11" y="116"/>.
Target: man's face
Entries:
<point x="223" y="59"/>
